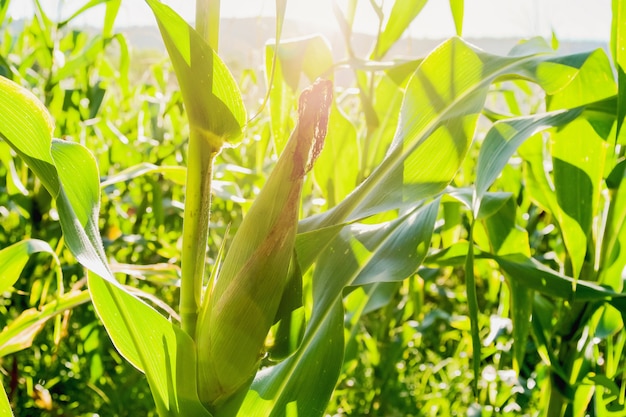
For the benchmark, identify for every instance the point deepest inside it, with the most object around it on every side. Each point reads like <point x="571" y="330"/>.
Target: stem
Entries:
<point x="195" y="228"/>
<point x="208" y="21"/>
<point x="472" y="304"/>
<point x="200" y="157"/>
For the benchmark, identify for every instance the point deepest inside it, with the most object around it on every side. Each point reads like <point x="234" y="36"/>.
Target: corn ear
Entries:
<point x="242" y="301"/>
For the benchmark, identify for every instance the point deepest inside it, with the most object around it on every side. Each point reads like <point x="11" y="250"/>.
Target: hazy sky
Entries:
<point x="570" y="19"/>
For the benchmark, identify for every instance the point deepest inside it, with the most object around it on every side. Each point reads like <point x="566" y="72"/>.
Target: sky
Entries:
<point x="569" y="19"/>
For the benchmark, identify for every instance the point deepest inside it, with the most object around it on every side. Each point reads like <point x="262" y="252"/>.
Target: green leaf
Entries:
<point x="4" y="6"/>
<point x="506" y="238"/>
<point x="570" y="76"/>
<point x="438" y="118"/>
<point x="394" y="251"/>
<point x="618" y="51"/>
<point x="538" y="277"/>
<point x="535" y="276"/>
<point x="154" y="345"/>
<point x="5" y="407"/>
<point x="300" y="386"/>
<point x="173" y="173"/>
<point x="26" y="125"/>
<point x="360" y="255"/>
<point x="473" y="310"/>
<point x="543" y="195"/>
<point x="456" y="7"/>
<point x="112" y="8"/>
<point x="13" y="260"/>
<point x="211" y="95"/>
<point x="78" y="205"/>
<point x="613" y="259"/>
<point x="337" y="168"/>
<point x="58" y="164"/>
<point x="90" y="4"/>
<point x="20" y="333"/>
<point x="503" y="139"/>
<point x="578" y="157"/>
<point x="402" y="14"/>
<point x="311" y="56"/>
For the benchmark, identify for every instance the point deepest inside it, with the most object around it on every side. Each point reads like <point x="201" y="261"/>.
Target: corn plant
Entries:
<point x="292" y="278"/>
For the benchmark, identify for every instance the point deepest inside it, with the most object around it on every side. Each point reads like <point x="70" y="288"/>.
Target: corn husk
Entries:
<point x="242" y="301"/>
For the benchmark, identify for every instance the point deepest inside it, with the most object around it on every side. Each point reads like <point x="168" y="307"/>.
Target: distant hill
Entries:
<point x="242" y="41"/>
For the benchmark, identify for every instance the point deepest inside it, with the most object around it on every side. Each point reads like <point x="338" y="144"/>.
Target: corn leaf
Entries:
<point x="360" y="255"/>
<point x="211" y="95"/>
<point x="90" y="4"/>
<point x="13" y="260"/>
<point x="153" y="345"/>
<point x="337" y="168"/>
<point x="310" y="56"/>
<point x="175" y="174"/>
<point x="299" y="385"/>
<point x="457" y="9"/>
<point x="69" y="172"/>
<point x="438" y="117"/>
<point x="566" y="78"/>
<point x="5" y="407"/>
<point x="20" y="333"/>
<point x="507" y="238"/>
<point x="614" y="256"/>
<point x="618" y="50"/>
<point x="402" y="14"/>
<point x="503" y="139"/>
<point x="4" y="6"/>
<point x="579" y="155"/>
